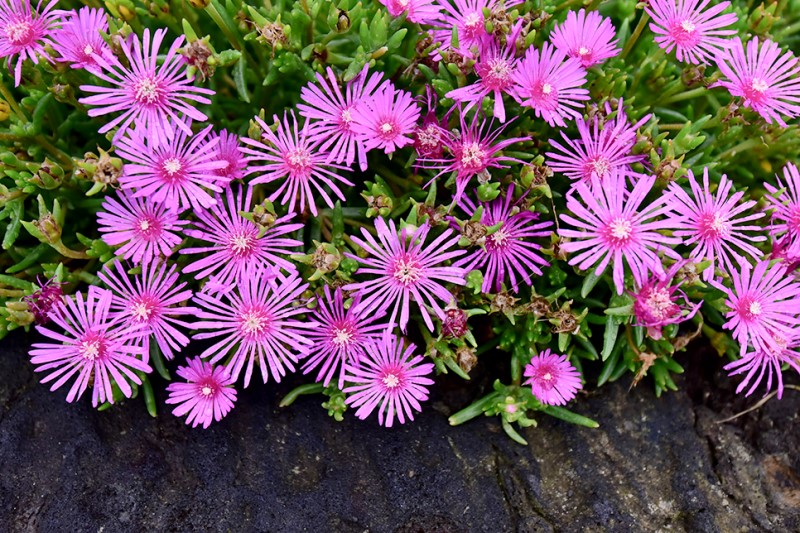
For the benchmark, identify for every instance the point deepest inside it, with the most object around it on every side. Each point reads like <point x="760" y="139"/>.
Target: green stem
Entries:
<point x="311" y="388"/>
<point x="741" y="147"/>
<point x="12" y="102"/>
<point x="635" y="35"/>
<point x="686" y="95"/>
<point x="67" y="252"/>
<point x="60" y="155"/>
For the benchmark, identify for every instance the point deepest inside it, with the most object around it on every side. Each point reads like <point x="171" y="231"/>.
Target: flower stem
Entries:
<point x="12" y="102"/>
<point x="635" y="35"/>
<point x="310" y="388"/>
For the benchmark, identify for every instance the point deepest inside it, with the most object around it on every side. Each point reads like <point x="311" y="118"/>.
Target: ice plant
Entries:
<point x="784" y="202"/>
<point x="24" y="32"/>
<point x="466" y="18"/>
<point x="44" y="299"/>
<point x="93" y="349"/>
<point x="160" y="96"/>
<point x="421" y="11"/>
<point x="613" y="226"/>
<point x="696" y="31"/>
<point x="406" y="269"/>
<point x="759" y="362"/>
<point x="588" y="37"/>
<point x="79" y="40"/>
<point x="714" y="225"/>
<point x="658" y="303"/>
<point x="388" y="378"/>
<point x="228" y="150"/>
<point x="207" y="396"/>
<point x="386" y="120"/>
<point x="429" y="135"/>
<point x="553" y="379"/>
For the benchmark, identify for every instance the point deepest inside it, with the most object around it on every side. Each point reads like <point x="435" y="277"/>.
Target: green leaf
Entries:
<point x="14" y="207"/>
<point x="238" y="78"/>
<point x="609" y="337"/>
<point x="588" y="283"/>
<point x="569" y="416"/>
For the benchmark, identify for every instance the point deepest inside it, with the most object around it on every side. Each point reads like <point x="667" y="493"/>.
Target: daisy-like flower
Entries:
<point x="141" y="228"/>
<point x="175" y="173"/>
<point x="236" y="246"/>
<point x="467" y="18"/>
<point x="613" y="226"/>
<point x="340" y="337"/>
<point x="784" y="201"/>
<point x="330" y="112"/>
<point x="693" y="29"/>
<point x="658" y="303"/>
<point x="420" y="11"/>
<point x="207" y="395"/>
<point x="764" y="303"/>
<point x="506" y="253"/>
<point x="406" y="269"/>
<point x="766" y="80"/>
<point x="588" y="37"/>
<point x="155" y="95"/>
<point x="764" y="362"/>
<point x="550" y="82"/>
<point x="153" y="299"/>
<point x="79" y="39"/>
<point x="390" y="379"/>
<point x="93" y="349"/>
<point x="257" y="322"/>
<point x="44" y="299"/>
<point x="553" y="379"/>
<point x="429" y="135"/>
<point x="386" y="120"/>
<point x="24" y="32"/>
<point x="291" y="158"/>
<point x="714" y="225"/>
<point x="228" y="150"/>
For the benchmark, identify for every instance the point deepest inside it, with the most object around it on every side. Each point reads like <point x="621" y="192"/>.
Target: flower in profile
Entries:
<point x="764" y="362"/>
<point x="614" y="227"/>
<point x="340" y="337"/>
<point x="290" y="157"/>
<point x="507" y="252"/>
<point x="764" y="304"/>
<point x="466" y="17"/>
<point x="93" y="349"/>
<point x="153" y="93"/>
<point x="784" y="201"/>
<point x="420" y="11"/>
<point x="24" y="32"/>
<point x="153" y="299"/>
<point x="386" y="120"/>
<point x="141" y="228"/>
<point x="207" y="395"/>
<point x="79" y="39"/>
<point x="257" y="322"/>
<point x="588" y="37"/>
<point x="550" y="82"/>
<point x="766" y="80"/>
<point x="390" y="379"/>
<point x="228" y="150"/>
<point x="697" y="34"/>
<point x="44" y="299"/>
<point x="553" y="379"/>
<point x="714" y="225"/>
<point x="406" y="269"/>
<point x="236" y="246"/>
<point x="175" y="173"/>
<point x="658" y="303"/>
<point x="429" y="135"/>
<point x="330" y="112"/>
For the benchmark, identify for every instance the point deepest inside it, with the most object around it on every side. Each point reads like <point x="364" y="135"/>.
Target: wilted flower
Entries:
<point x="658" y="303"/>
<point x="42" y="301"/>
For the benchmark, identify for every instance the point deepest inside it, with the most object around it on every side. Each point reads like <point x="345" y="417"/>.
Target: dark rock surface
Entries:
<point x="654" y="465"/>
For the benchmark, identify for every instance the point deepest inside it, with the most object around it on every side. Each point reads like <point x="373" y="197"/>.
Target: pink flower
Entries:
<point x="421" y="11"/>
<point x="147" y="92"/>
<point x="784" y="201"/>
<point x="227" y="149"/>
<point x="24" y="32"/>
<point x="764" y="362"/>
<point x="389" y="378"/>
<point x="144" y="229"/>
<point x="612" y="226"/>
<point x="714" y="225"/>
<point x="550" y="83"/>
<point x="766" y="80"/>
<point x="92" y="349"/>
<point x="293" y="159"/>
<point x="153" y="299"/>
<point x="207" y="396"/>
<point x="79" y="39"/>
<point x="696" y="35"/>
<point x="429" y="135"/>
<point x="553" y="379"/>
<point x="467" y="18"/>
<point x="44" y="299"/>
<point x="405" y="270"/>
<point x="386" y="120"/>
<point x="657" y="303"/>
<point x="588" y="37"/>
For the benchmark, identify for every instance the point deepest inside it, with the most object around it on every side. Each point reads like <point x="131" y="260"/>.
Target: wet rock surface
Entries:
<point x="654" y="465"/>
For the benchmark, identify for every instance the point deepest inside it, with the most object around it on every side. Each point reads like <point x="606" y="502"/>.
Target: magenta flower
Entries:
<point x="429" y="136"/>
<point x="79" y="39"/>
<point x="257" y="324"/>
<point x="228" y="150"/>
<point x="24" y="32"/>
<point x="764" y="362"/>
<point x="764" y="305"/>
<point x="330" y="113"/>
<point x="92" y="349"/>
<point x="421" y="11"/>
<point x="507" y="253"/>
<point x="386" y="120"/>
<point x="406" y="269"/>
<point x="784" y="201"/>
<point x="712" y="224"/>
<point x="550" y="83"/>
<point x="236" y="247"/>
<point x="466" y="17"/>
<point x="612" y="226"/>
<point x="44" y="299"/>
<point x="147" y="92"/>
<point x="293" y="159"/>
<point x="766" y="80"/>
<point x="657" y="303"/>
<point x="588" y="37"/>
<point x="153" y="299"/>
<point x="390" y="379"/>
<point x="143" y="229"/>
<point x="340" y="337"/>
<point x="696" y="35"/>
<point x="553" y="379"/>
<point x="207" y="396"/>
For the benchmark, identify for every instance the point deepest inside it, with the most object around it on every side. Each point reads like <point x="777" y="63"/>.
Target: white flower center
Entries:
<point x="347" y="116"/>
<point x="141" y="311"/>
<point x="88" y="50"/>
<point x="253" y="321"/>
<point x="688" y="26"/>
<point x="621" y="229"/>
<point x="472" y="156"/>
<point x="206" y="390"/>
<point x="583" y="51"/>
<point x="547" y="88"/>
<point x="386" y="128"/>
<point x="146" y="91"/>
<point x="341" y="336"/>
<point x="547" y="377"/>
<point x="172" y="166"/>
<point x="755" y="308"/>
<point x="759" y="85"/>
<point x="19" y="33"/>
<point x="407" y="271"/>
<point x="391" y="381"/>
<point x="91" y="349"/>
<point x="240" y="244"/>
